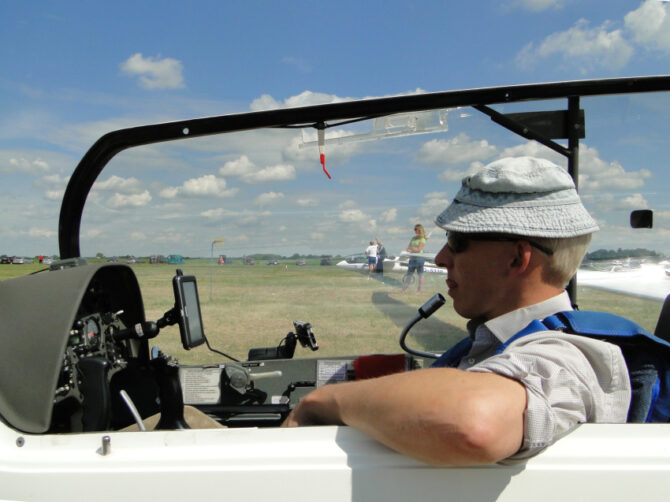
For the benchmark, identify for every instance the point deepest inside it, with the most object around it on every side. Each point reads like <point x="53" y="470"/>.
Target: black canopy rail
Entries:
<point x="106" y="147"/>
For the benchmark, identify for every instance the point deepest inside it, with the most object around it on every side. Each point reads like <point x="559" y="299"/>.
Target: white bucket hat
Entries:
<point x="520" y="196"/>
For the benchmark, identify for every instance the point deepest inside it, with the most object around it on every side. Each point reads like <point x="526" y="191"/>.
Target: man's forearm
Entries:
<point x="440" y="416"/>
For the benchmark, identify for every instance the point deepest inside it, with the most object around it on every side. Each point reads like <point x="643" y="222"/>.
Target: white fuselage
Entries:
<point x="595" y="462"/>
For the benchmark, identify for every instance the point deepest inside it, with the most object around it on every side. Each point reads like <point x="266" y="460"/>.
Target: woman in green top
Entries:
<point x="416" y="245"/>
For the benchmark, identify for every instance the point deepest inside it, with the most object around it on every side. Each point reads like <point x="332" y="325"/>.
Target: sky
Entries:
<point x="73" y="71"/>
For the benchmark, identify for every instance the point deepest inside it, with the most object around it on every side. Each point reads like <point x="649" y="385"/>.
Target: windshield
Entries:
<point x="273" y="236"/>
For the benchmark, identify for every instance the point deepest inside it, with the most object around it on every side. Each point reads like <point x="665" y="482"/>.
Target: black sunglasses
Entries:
<point x="457" y="242"/>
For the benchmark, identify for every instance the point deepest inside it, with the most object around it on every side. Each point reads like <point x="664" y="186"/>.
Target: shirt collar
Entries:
<point x="507" y="325"/>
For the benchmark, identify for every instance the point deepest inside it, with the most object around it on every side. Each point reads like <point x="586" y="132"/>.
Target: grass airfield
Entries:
<point x="254" y="306"/>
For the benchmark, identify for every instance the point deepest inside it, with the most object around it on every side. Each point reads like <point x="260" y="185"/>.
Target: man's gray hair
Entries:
<point x="568" y="255"/>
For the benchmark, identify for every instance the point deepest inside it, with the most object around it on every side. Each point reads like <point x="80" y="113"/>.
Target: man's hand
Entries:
<point x="317" y="408"/>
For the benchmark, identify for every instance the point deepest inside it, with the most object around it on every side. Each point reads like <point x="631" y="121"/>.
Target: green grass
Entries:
<point x="255" y="306"/>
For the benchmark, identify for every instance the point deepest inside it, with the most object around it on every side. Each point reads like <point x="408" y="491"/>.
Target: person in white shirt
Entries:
<point x="371" y="253"/>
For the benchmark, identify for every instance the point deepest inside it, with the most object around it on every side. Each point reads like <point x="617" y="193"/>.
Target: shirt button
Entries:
<point x="471" y="360"/>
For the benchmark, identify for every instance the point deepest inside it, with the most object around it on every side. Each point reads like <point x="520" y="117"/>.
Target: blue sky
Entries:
<point x="72" y="71"/>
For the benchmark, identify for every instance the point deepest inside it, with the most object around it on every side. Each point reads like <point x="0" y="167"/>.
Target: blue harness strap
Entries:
<point x="647" y="356"/>
<point x="453" y="356"/>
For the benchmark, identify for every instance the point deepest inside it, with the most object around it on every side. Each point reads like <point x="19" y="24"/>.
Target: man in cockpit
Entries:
<point x="516" y="233"/>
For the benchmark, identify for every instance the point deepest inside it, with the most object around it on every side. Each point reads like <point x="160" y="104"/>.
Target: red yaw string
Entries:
<point x="322" y="155"/>
<point x="323" y="164"/>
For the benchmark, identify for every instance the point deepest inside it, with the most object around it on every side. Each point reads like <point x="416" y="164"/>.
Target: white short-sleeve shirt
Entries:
<point x="569" y="379"/>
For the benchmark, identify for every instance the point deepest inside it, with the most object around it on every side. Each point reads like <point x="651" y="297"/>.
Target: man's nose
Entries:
<point x="444" y="257"/>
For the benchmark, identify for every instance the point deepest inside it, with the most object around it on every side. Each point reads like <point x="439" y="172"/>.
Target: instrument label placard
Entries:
<point x="200" y="385"/>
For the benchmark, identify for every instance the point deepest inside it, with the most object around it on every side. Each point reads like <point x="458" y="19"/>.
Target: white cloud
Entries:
<point x="431" y="208"/>
<point x="649" y="24"/>
<point x="213" y="214"/>
<point x="205" y="186"/>
<point x="346" y="204"/>
<point x="454" y="150"/>
<point x="246" y="171"/>
<point x="533" y="149"/>
<point x="307" y="202"/>
<point x="268" y="198"/>
<point x="39" y="232"/>
<point x="607" y="202"/>
<point x="40" y="164"/>
<point x="352" y="216"/>
<point x="118" y="184"/>
<point x="137" y="236"/>
<point x="539" y="5"/>
<point x="389" y="215"/>
<point x="243" y="217"/>
<point x="452" y="174"/>
<point x="54" y="185"/>
<point x="309" y="98"/>
<point x="169" y="192"/>
<point x="118" y="200"/>
<point x="395" y="231"/>
<point x="581" y="46"/>
<point x="54" y="194"/>
<point x="596" y="173"/>
<point x="155" y="73"/>
<point x="237" y="167"/>
<point x="661" y="219"/>
<point x="305" y="98"/>
<point x="55" y="179"/>
<point x="265" y="102"/>
<point x="299" y="63"/>
<point x="280" y="172"/>
<point x="23" y="165"/>
<point x="635" y="201"/>
<point x="170" y="216"/>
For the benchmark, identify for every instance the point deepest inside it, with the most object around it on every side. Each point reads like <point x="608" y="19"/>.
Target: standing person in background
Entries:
<point x="371" y="253"/>
<point x="416" y="245"/>
<point x="381" y="254"/>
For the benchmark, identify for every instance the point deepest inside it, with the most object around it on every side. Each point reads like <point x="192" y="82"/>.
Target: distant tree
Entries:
<point x="99" y="256"/>
<point x="620" y="254"/>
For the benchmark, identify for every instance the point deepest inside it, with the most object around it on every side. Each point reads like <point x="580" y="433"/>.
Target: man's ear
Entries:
<point x="521" y="258"/>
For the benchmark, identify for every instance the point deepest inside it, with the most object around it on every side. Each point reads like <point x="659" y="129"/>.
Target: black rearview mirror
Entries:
<point x="642" y="218"/>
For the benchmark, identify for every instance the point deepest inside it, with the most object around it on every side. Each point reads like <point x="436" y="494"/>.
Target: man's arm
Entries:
<point x="441" y="416"/>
